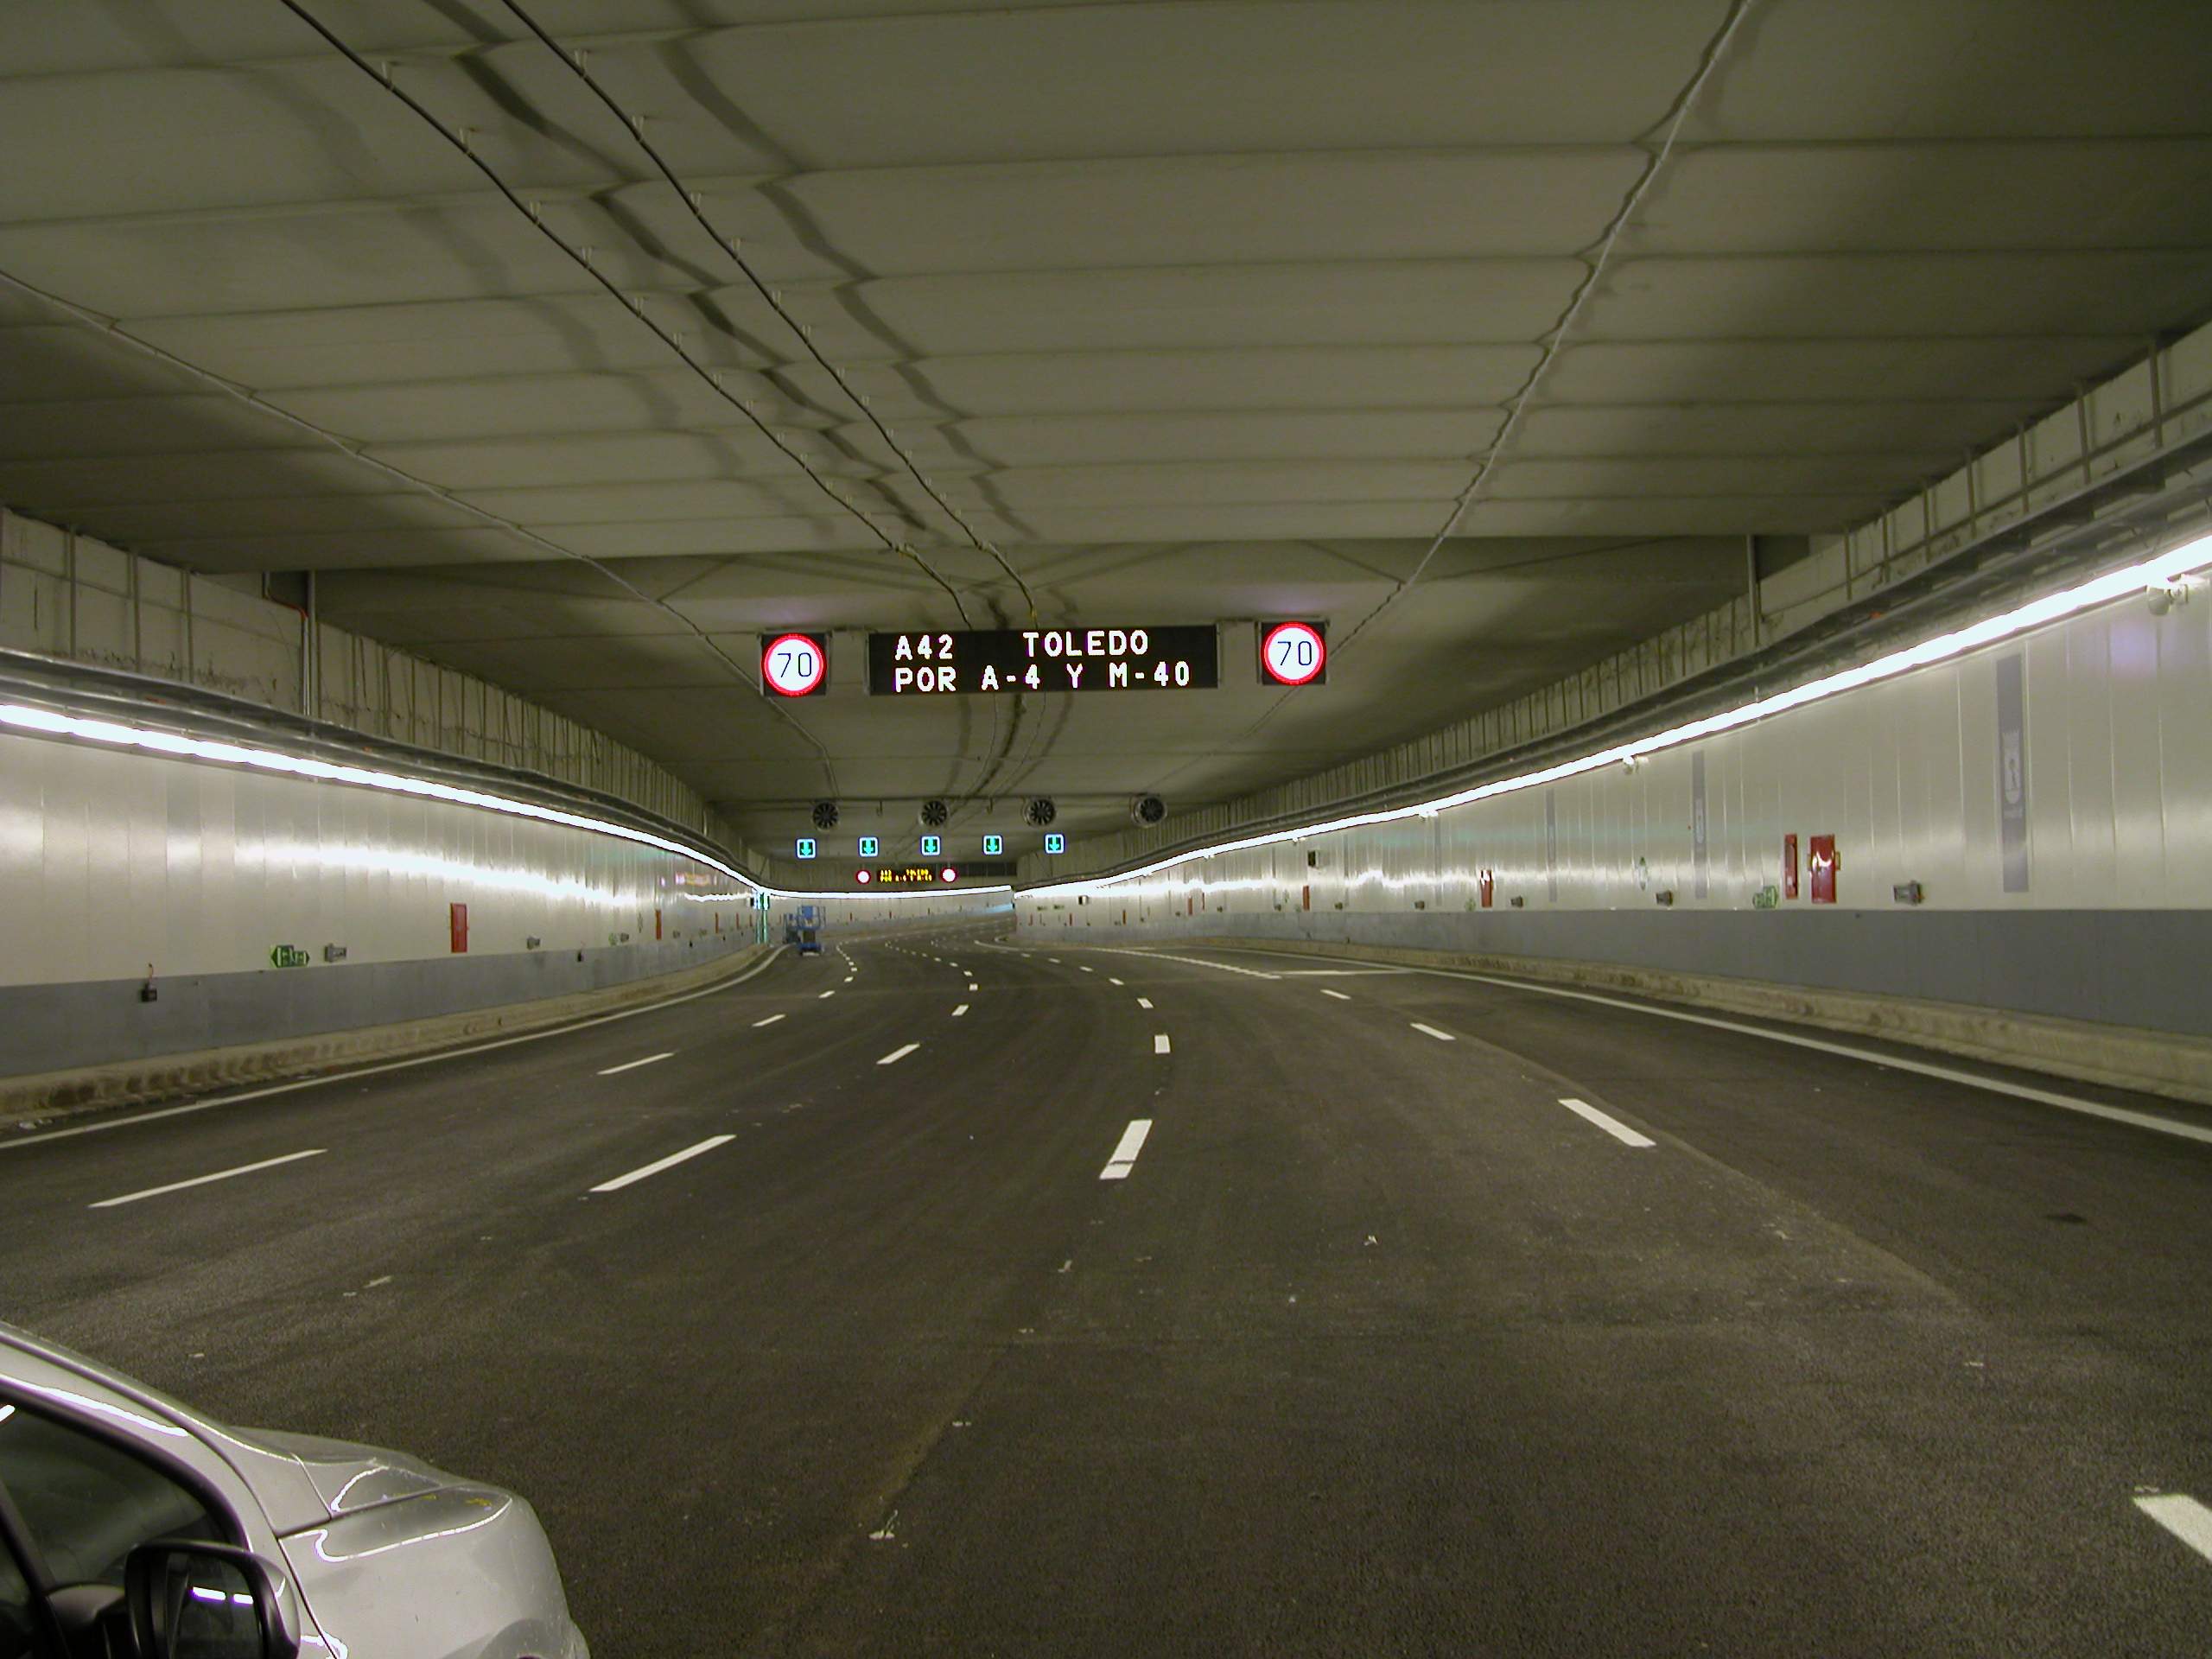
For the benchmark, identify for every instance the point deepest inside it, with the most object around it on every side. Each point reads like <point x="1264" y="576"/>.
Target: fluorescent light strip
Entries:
<point x="2056" y="607"/>
<point x="25" y="718"/>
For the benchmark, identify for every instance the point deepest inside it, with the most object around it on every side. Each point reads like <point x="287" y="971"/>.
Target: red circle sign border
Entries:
<point x="821" y="659"/>
<point x="1320" y="655"/>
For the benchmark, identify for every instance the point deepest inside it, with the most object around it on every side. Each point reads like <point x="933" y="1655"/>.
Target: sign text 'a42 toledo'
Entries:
<point x="960" y="661"/>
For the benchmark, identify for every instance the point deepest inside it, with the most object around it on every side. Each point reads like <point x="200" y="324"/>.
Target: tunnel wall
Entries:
<point x="112" y="863"/>
<point x="2082" y="895"/>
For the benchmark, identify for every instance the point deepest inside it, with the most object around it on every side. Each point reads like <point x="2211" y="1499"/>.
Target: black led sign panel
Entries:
<point x="961" y="661"/>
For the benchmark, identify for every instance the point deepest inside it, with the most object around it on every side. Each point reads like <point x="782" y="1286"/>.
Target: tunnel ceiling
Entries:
<point x="1192" y="312"/>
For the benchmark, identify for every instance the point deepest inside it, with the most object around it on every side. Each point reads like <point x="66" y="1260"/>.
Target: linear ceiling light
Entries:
<point x="2149" y="575"/>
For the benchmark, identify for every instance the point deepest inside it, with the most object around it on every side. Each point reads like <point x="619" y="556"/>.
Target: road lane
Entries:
<point x="1380" y="1343"/>
<point x="1374" y="1348"/>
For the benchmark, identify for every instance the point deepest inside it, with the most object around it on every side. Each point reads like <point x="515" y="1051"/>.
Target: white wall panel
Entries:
<point x="110" y="860"/>
<point x="1904" y="774"/>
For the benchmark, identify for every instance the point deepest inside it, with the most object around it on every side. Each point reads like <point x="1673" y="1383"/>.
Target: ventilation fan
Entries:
<point x="935" y="815"/>
<point x="826" y="815"/>
<point x="1147" y="811"/>
<point x="1040" y="811"/>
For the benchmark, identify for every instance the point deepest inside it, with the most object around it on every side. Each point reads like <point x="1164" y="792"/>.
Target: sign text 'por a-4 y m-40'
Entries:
<point x="960" y="661"/>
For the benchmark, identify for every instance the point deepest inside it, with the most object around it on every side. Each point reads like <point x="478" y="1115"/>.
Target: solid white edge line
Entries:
<point x="2183" y="1516"/>
<point x="202" y="1180"/>
<point x="1195" y="962"/>
<point x="632" y="1065"/>
<point x="1918" y="1068"/>
<point x="1440" y="1036"/>
<point x="1125" y="1151"/>
<point x="1159" y="1044"/>
<point x="762" y="966"/>
<point x="659" y="1164"/>
<point x="1611" y="1125"/>
<point x="1339" y="996"/>
<point x="899" y="1053"/>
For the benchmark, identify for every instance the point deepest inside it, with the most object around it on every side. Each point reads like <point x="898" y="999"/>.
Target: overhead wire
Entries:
<point x="574" y="58"/>
<point x="1553" y="339"/>
<point x="113" y="328"/>
<point x="457" y="139"/>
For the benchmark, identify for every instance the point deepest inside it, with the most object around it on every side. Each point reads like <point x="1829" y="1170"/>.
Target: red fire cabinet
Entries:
<point x="1823" y="859"/>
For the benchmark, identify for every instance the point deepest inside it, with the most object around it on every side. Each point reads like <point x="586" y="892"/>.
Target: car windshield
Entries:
<point x="85" y="1502"/>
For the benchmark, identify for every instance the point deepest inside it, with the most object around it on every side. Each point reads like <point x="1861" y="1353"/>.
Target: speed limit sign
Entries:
<point x="1294" y="653"/>
<point x="795" y="664"/>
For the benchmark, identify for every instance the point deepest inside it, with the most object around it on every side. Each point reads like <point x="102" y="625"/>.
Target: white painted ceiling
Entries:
<point x="1196" y="311"/>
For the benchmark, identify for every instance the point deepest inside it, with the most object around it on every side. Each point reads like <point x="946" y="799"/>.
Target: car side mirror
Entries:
<point x="194" y="1600"/>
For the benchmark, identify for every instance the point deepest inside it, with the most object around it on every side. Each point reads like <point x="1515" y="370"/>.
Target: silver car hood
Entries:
<point x="458" y="1571"/>
<point x="347" y="1476"/>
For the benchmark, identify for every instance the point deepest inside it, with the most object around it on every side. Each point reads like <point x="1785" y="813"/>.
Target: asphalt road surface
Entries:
<point x="1067" y="1300"/>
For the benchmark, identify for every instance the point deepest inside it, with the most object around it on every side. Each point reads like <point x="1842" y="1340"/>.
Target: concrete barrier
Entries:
<point x="2156" y="1062"/>
<point x="34" y="1100"/>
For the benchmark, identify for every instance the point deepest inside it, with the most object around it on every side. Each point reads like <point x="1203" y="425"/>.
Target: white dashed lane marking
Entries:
<point x="632" y="1065"/>
<point x="1125" y="1155"/>
<point x="1339" y="996"/>
<point x="2182" y="1516"/>
<point x="1611" y="1126"/>
<point x="669" y="1162"/>
<point x="962" y="1009"/>
<point x="770" y="1020"/>
<point x="899" y="1053"/>
<point x="1144" y="1001"/>
<point x="202" y="1180"/>
<point x="1159" y="1042"/>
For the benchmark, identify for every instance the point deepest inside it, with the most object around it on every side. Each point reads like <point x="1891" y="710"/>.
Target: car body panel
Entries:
<point x="376" y="1554"/>
<point x="466" y="1558"/>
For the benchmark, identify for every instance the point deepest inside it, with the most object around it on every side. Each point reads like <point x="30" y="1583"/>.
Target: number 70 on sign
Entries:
<point x="794" y="665"/>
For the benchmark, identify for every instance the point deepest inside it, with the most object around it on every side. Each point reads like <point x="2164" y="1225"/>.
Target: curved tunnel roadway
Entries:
<point x="1369" y="1345"/>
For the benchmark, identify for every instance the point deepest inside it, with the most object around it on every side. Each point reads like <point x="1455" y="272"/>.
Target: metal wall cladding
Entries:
<point x="111" y="860"/>
<point x="1910" y="777"/>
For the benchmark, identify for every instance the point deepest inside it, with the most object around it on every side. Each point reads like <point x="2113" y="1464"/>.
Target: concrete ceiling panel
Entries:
<point x="1220" y="435"/>
<point x="1955" y="198"/>
<point x="1106" y="81"/>
<point x="1176" y="211"/>
<point x="1359" y="302"/>
<point x="1904" y="296"/>
<point x="1873" y="371"/>
<point x="1320" y="377"/>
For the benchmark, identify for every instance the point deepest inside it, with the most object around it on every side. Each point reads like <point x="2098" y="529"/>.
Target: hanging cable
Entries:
<point x="634" y="304"/>
<point x="1556" y="337"/>
<point x="573" y="61"/>
<point x="113" y="328"/>
<point x="1552" y="339"/>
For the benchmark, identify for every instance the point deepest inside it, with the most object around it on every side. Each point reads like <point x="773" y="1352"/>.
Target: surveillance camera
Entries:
<point x="2166" y="596"/>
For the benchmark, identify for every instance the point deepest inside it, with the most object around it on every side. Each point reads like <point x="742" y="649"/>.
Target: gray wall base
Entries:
<point x="298" y="1022"/>
<point x="2106" y="996"/>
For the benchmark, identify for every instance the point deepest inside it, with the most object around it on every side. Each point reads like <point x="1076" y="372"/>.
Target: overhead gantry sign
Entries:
<point x="961" y="661"/>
